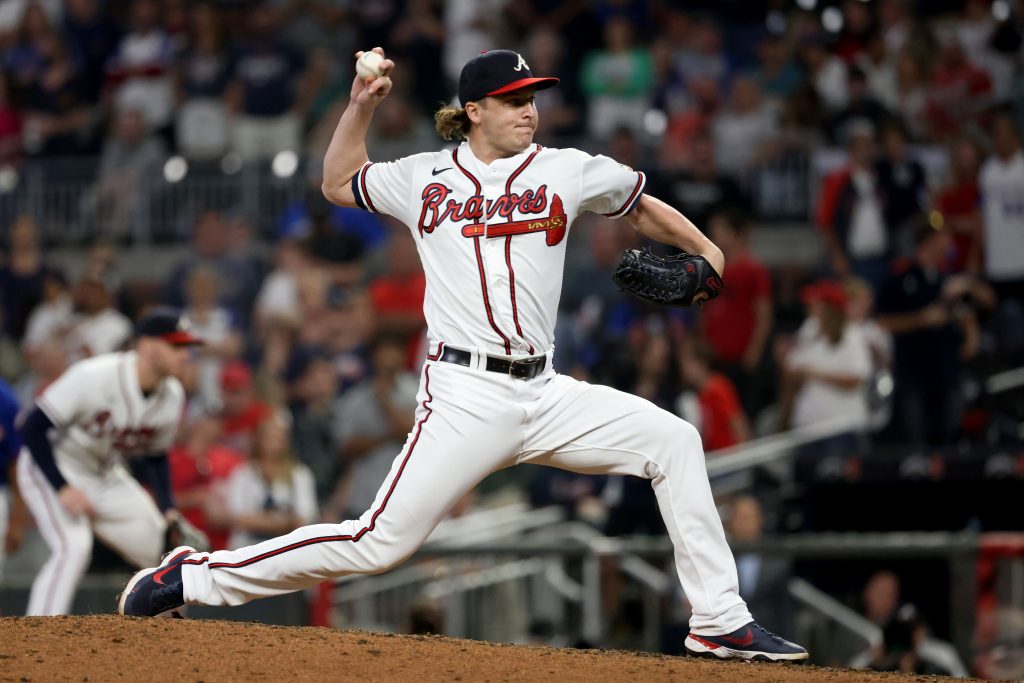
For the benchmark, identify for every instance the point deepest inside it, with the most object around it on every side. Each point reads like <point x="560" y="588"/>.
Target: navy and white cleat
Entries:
<point x="752" y="643"/>
<point x="156" y="591"/>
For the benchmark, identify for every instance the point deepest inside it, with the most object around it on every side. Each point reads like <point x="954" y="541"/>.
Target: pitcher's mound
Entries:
<point x="110" y="648"/>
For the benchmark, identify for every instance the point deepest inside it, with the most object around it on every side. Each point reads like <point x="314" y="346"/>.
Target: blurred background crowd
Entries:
<point x="859" y="162"/>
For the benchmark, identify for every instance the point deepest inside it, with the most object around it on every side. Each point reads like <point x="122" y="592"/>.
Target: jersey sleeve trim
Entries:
<point x="634" y="197"/>
<point x="359" y="189"/>
<point x="50" y="411"/>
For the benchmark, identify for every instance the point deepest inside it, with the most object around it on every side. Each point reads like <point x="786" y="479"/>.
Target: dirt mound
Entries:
<point x="109" y="648"/>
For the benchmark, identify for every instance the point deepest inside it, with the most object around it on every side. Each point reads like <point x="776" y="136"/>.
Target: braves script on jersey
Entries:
<point x="496" y="230"/>
<point x="100" y="407"/>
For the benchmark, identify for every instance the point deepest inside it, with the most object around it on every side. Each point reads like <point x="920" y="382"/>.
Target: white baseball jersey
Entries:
<point x="98" y="405"/>
<point x="492" y="236"/>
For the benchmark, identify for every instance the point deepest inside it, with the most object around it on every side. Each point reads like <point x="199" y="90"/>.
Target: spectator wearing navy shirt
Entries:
<point x="266" y="90"/>
<point x="935" y="329"/>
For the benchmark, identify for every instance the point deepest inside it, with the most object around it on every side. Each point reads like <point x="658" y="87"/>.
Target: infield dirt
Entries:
<point x="111" y="648"/>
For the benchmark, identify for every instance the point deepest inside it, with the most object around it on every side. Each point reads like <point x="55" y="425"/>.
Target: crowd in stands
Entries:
<point x="910" y="112"/>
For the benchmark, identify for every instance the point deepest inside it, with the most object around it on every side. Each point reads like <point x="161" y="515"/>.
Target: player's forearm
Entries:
<point x="659" y="221"/>
<point x="346" y="154"/>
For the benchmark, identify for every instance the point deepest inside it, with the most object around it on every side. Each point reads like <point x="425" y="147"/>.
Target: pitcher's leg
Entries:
<point x="458" y="439"/>
<point x="595" y="429"/>
<point x="69" y="539"/>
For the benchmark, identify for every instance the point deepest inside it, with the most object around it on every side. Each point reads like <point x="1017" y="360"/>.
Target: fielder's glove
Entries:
<point x="181" y="532"/>
<point x="666" y="280"/>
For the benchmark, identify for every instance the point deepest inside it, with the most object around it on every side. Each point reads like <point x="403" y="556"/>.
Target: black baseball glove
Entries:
<point x="666" y="280"/>
<point x="181" y="532"/>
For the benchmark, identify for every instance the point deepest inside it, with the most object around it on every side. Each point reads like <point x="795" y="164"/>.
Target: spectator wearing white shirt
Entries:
<point x="53" y="317"/>
<point x="827" y="72"/>
<point x="273" y="493"/>
<point x="142" y="65"/>
<point x="1001" y="182"/>
<point x="825" y="373"/>
<point x="99" y="327"/>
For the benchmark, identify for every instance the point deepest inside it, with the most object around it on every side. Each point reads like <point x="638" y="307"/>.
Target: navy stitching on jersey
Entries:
<point x="479" y="258"/>
<point x="345" y="537"/>
<point x="633" y="197"/>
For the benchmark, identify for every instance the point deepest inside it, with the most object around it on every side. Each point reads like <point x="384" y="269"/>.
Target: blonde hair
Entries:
<point x="452" y="123"/>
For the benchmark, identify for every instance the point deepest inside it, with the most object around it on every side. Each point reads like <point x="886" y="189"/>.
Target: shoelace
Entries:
<point x="769" y="633"/>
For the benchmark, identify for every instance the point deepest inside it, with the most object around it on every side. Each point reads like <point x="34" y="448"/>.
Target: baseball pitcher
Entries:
<point x="76" y="484"/>
<point x="490" y="218"/>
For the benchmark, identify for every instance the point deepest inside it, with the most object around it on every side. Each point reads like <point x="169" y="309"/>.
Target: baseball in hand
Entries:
<point x="368" y="66"/>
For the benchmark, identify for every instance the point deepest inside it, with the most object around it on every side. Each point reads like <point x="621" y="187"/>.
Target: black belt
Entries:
<point x="527" y="367"/>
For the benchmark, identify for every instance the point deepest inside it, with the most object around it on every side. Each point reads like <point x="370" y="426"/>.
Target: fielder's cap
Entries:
<point x="826" y="291"/>
<point x="497" y="72"/>
<point x="167" y="324"/>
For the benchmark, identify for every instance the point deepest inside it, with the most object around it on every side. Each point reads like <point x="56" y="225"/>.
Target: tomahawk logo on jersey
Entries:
<point x="485" y="229"/>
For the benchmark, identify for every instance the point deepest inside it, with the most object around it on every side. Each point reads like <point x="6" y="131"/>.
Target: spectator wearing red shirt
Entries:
<point x="397" y="295"/>
<point x="737" y="327"/>
<point x="242" y="411"/>
<point x="722" y="422"/>
<point x="958" y="91"/>
<point x="200" y="468"/>
<point x="959" y="204"/>
<point x="10" y="125"/>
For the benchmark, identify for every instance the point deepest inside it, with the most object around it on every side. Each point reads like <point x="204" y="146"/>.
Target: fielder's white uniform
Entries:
<point x="103" y="417"/>
<point x="492" y="241"/>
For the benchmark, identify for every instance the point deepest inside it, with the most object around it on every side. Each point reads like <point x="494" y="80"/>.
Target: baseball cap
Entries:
<point x="825" y="291"/>
<point x="497" y="72"/>
<point x="167" y="324"/>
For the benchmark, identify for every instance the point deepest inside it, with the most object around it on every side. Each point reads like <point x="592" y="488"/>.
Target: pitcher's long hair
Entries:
<point x="452" y="123"/>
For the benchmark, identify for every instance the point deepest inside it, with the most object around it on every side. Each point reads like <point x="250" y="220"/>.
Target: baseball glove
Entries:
<point x="182" y="532"/>
<point x="666" y="280"/>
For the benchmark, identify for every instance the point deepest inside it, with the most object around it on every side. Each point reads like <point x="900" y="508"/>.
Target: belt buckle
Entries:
<point x="527" y="364"/>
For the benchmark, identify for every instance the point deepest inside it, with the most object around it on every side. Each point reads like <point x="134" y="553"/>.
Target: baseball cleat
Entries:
<point x="752" y="642"/>
<point x="156" y="591"/>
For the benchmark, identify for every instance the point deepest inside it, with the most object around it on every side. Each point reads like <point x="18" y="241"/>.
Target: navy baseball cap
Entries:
<point x="497" y="72"/>
<point x="167" y="324"/>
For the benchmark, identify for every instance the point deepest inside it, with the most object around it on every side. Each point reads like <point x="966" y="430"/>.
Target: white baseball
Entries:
<point x="368" y="66"/>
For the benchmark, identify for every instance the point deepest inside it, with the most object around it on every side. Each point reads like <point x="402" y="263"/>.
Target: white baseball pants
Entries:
<point x="126" y="519"/>
<point x="469" y="423"/>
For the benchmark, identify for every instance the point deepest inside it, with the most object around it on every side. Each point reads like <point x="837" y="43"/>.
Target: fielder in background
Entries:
<point x="490" y="217"/>
<point x="104" y="409"/>
<point x="12" y="522"/>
